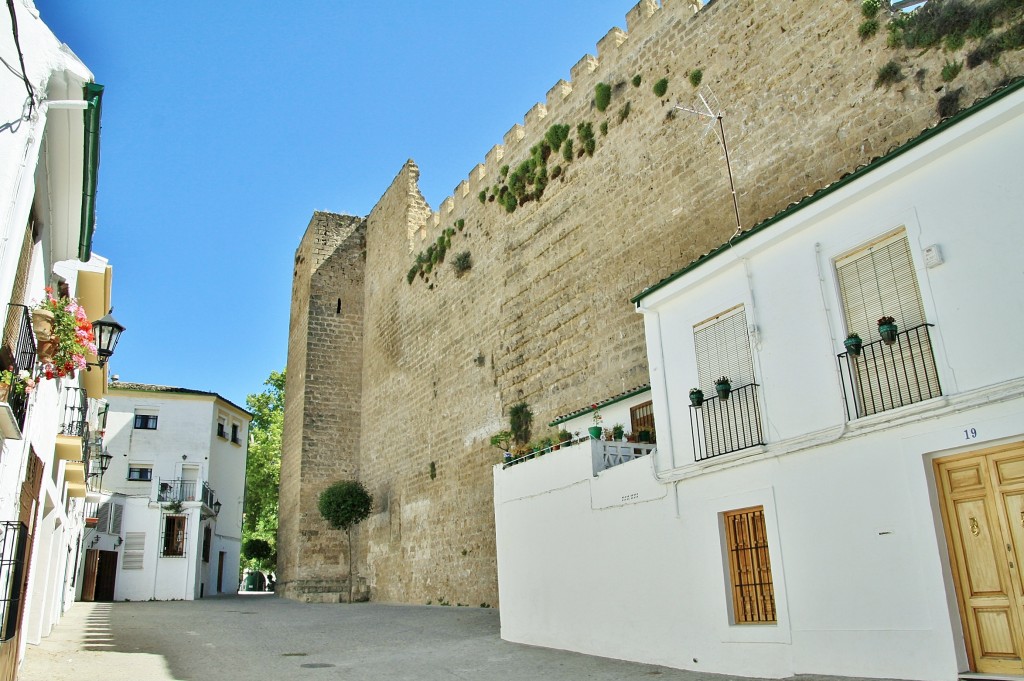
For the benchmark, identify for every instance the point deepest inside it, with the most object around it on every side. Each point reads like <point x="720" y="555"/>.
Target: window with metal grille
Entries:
<point x="879" y="280"/>
<point x="13" y="563"/>
<point x="750" y="570"/>
<point x="641" y="418"/>
<point x="174" y="535"/>
<point x="134" y="550"/>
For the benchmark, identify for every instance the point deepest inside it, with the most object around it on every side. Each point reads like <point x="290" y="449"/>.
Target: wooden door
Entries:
<point x="983" y="513"/>
<point x="92" y="564"/>
<point x="106" y="576"/>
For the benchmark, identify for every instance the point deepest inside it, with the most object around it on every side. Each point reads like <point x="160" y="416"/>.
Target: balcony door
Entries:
<point x="982" y="496"/>
<point x="189" y="480"/>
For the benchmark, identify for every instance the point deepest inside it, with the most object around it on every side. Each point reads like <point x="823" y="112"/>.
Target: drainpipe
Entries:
<point x="90" y="169"/>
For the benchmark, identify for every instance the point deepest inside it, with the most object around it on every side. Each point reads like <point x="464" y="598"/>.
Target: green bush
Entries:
<point x="696" y="76"/>
<point x="637" y="80"/>
<point x="888" y="74"/>
<point x="869" y="8"/>
<point x="867" y="29"/>
<point x="623" y="115"/>
<point x="345" y="503"/>
<point x="661" y="87"/>
<point x="951" y="69"/>
<point x="602" y="96"/>
<point x="521" y="422"/>
<point x="462" y="263"/>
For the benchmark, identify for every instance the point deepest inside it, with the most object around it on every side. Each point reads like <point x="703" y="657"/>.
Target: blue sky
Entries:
<point x="226" y="124"/>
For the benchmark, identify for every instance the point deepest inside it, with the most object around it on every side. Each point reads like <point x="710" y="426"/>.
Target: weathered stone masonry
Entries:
<point x="410" y="379"/>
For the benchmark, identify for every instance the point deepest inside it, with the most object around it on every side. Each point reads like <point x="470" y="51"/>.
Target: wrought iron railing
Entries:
<point x="13" y="540"/>
<point x="208" y="496"/>
<point x="882" y="377"/>
<point x="22" y="344"/>
<point x="74" y="412"/>
<point x="723" y="426"/>
<point x="176" y="490"/>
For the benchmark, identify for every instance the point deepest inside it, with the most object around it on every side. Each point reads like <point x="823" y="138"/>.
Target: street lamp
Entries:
<point x="107" y="332"/>
<point x="216" y="507"/>
<point x="104" y="459"/>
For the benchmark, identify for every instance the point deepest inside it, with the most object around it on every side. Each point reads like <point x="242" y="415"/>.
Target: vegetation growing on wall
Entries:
<point x="428" y="260"/>
<point x="661" y="87"/>
<point x="602" y="96"/>
<point x="695" y="76"/>
<point x="985" y="28"/>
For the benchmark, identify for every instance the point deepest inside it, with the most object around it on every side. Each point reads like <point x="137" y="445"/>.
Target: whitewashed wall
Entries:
<point x="859" y="562"/>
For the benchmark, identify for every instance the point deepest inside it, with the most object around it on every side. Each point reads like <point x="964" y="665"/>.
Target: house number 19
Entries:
<point x="970" y="433"/>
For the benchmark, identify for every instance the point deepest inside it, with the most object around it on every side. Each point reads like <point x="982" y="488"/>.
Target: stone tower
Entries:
<point x="320" y="443"/>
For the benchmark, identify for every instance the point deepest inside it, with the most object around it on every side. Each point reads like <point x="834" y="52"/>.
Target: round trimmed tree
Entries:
<point x="344" y="505"/>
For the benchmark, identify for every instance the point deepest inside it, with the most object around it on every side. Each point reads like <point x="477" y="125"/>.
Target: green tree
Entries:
<point x="345" y="504"/>
<point x="263" y="468"/>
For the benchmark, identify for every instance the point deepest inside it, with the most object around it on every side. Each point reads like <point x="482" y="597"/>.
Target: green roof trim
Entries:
<point x="646" y="387"/>
<point x="924" y="136"/>
<point x="90" y="168"/>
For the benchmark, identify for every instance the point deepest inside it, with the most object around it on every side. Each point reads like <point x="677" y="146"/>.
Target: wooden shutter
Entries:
<point x="877" y="281"/>
<point x="134" y="550"/>
<point x="723" y="349"/>
<point x="117" y="513"/>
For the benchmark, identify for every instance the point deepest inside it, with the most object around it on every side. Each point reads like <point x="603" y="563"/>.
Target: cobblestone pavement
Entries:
<point x="259" y="636"/>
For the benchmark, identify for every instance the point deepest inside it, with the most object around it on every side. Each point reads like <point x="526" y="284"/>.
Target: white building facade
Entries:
<point x="49" y="156"/>
<point x="169" y="524"/>
<point x="840" y="510"/>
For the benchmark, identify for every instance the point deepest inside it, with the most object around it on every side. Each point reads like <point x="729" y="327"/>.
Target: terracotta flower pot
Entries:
<point x="42" y="324"/>
<point x="5" y="392"/>
<point x="47" y="350"/>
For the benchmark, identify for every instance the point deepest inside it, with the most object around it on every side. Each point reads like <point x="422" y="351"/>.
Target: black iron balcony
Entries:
<point x="723" y="426"/>
<point x="74" y="410"/>
<point x="177" y="490"/>
<point x="882" y="377"/>
<point x="208" y="496"/>
<point x="21" y="344"/>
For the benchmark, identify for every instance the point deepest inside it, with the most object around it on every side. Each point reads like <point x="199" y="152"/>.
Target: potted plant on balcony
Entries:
<point x="853" y="344"/>
<point x="595" y="430"/>
<point x="887" y="329"/>
<point x="723" y="387"/>
<point x="564" y="438"/>
<point x="696" y="397"/>
<point x="71" y="338"/>
<point x="617" y="431"/>
<point x="15" y="383"/>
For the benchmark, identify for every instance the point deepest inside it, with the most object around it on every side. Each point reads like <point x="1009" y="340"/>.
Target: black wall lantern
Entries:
<point x="216" y="507"/>
<point x="107" y="332"/>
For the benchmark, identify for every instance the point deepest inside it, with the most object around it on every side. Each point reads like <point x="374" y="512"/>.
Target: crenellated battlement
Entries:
<point x="559" y="101"/>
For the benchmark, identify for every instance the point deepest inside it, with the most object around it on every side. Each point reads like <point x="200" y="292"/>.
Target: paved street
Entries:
<point x="259" y="636"/>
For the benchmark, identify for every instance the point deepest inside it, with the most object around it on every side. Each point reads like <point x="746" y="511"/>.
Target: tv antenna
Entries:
<point x="706" y="106"/>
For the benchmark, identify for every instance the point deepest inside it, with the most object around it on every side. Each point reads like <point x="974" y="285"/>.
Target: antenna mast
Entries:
<point x="708" y="107"/>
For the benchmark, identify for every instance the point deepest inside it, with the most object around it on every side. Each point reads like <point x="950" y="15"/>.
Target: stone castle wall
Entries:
<point x="544" y="316"/>
<point x="321" y="436"/>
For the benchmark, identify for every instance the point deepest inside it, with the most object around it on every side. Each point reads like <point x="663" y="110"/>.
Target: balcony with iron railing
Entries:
<point x="722" y="426"/>
<point x="19" y="342"/>
<point x="882" y="376"/>
<point x="180" y="490"/>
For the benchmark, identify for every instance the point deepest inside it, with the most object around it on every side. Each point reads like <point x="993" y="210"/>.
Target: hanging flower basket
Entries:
<point x="853" y="344"/>
<point x="696" y="397"/>
<point x="888" y="330"/>
<point x="723" y="387"/>
<point x="69" y="338"/>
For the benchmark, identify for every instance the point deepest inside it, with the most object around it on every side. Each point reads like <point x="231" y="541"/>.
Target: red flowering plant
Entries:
<point x="72" y="337"/>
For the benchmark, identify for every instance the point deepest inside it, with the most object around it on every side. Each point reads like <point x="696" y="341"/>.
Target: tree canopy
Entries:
<point x="345" y="503"/>
<point x="263" y="467"/>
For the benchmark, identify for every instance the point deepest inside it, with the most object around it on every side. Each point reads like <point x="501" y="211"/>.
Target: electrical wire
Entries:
<point x="21" y="58"/>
